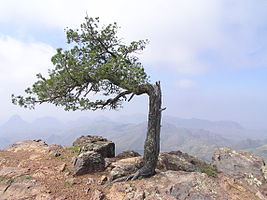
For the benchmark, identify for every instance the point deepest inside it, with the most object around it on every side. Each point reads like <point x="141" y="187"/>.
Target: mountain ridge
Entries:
<point x="176" y="134"/>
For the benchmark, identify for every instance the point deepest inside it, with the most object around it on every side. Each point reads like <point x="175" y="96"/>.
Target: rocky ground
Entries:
<point x="34" y="170"/>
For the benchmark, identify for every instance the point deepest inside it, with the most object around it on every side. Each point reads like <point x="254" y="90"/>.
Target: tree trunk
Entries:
<point x="152" y="142"/>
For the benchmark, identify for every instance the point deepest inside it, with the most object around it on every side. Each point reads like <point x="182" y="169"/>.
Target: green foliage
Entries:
<point x="97" y="62"/>
<point x="75" y="150"/>
<point x="3" y="178"/>
<point x="210" y="170"/>
<point x="67" y="184"/>
<point x="138" y="165"/>
<point x="26" y="177"/>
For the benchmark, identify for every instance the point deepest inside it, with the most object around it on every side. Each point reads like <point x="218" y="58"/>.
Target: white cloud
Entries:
<point x="179" y="31"/>
<point x="21" y="61"/>
<point x="186" y="83"/>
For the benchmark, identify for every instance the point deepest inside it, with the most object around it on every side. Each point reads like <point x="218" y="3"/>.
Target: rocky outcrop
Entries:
<point x="177" y="185"/>
<point x="97" y="144"/>
<point x="36" y="146"/>
<point x="175" y="160"/>
<point x="29" y="171"/>
<point x="238" y="164"/>
<point x="88" y="162"/>
<point x="243" y="167"/>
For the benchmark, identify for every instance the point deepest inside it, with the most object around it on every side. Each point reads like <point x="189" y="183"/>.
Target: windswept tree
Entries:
<point x="99" y="71"/>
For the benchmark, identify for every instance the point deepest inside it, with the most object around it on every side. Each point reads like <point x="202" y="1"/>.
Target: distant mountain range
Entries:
<point x="195" y="136"/>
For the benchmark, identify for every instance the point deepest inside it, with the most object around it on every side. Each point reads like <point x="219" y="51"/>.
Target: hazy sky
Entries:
<point x="210" y="55"/>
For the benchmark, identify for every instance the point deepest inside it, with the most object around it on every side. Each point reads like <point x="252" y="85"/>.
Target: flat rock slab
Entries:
<point x="178" y="185"/>
<point x="179" y="161"/>
<point x="36" y="146"/>
<point x="9" y="172"/>
<point x="22" y="188"/>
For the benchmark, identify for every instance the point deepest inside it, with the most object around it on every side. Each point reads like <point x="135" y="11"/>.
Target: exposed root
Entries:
<point x="143" y="172"/>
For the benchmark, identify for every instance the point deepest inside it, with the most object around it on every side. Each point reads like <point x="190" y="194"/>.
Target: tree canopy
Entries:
<point x="99" y="71"/>
<point x="97" y="62"/>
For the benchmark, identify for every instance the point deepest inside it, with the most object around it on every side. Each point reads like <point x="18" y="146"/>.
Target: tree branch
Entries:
<point x="114" y="100"/>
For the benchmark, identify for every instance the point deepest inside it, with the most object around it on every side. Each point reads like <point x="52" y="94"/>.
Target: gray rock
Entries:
<point x="176" y="160"/>
<point x="97" y="144"/>
<point x="103" y="180"/>
<point x="88" y="162"/>
<point x="97" y="195"/>
<point x="12" y="172"/>
<point x="238" y="164"/>
<point x="55" y="150"/>
<point x="38" y="142"/>
<point x="127" y="154"/>
<point x="124" y="167"/>
<point x="22" y="188"/>
<point x="170" y="185"/>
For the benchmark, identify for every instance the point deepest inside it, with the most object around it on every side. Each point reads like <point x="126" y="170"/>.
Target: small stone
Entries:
<point x="73" y="181"/>
<point x="97" y="195"/>
<point x="87" y="190"/>
<point x="90" y="181"/>
<point x="103" y="180"/>
<point x="62" y="167"/>
<point x="61" y="198"/>
<point x="67" y="174"/>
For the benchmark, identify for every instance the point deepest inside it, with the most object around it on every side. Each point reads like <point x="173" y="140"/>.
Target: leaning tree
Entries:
<point x="99" y="71"/>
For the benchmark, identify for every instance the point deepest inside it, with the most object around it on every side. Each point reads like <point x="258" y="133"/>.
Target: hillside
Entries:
<point x="34" y="170"/>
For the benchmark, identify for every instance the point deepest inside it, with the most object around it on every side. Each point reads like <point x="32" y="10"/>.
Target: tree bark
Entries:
<point x="152" y="142"/>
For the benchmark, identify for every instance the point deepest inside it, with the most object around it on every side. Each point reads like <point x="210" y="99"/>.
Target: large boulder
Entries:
<point x="97" y="144"/>
<point x="88" y="162"/>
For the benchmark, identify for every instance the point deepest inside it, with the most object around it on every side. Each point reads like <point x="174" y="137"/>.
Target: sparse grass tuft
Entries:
<point x="3" y="178"/>
<point x="75" y="150"/>
<point x="67" y="184"/>
<point x="26" y="177"/>
<point x="209" y="170"/>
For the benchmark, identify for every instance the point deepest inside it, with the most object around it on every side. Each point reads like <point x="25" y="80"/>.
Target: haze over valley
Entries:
<point x="194" y="136"/>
